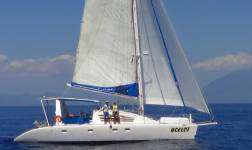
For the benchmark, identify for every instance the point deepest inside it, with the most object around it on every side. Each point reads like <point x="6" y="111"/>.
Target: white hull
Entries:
<point x="99" y="133"/>
<point x="138" y="129"/>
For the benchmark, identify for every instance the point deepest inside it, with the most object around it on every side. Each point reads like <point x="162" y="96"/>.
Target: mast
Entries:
<point x="138" y="60"/>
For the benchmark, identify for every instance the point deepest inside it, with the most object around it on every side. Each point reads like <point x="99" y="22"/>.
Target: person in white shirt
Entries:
<point x="106" y="112"/>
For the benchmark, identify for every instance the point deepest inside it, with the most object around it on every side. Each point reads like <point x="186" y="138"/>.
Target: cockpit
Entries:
<point x="68" y="110"/>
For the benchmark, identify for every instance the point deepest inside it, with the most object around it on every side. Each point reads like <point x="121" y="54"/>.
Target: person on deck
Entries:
<point x="115" y="113"/>
<point x="106" y="113"/>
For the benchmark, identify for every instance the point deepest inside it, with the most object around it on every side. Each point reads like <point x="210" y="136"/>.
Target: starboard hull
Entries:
<point x="103" y="133"/>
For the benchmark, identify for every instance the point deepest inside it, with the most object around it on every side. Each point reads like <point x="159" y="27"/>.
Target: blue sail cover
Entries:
<point x="128" y="90"/>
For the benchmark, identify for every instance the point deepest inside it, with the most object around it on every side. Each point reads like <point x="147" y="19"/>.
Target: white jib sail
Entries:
<point x="159" y="85"/>
<point x="106" y="50"/>
<point x="189" y="88"/>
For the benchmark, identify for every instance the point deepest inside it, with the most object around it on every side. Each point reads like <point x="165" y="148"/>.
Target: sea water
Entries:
<point x="233" y="132"/>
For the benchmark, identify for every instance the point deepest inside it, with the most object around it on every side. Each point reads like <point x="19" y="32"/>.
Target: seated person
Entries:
<point x="115" y="113"/>
<point x="106" y="113"/>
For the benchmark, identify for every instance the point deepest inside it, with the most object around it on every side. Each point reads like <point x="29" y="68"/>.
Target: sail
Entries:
<point x="158" y="81"/>
<point x="190" y="91"/>
<point x="106" y="52"/>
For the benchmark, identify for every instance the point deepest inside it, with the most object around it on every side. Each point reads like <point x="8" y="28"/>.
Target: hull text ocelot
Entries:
<point x="186" y="129"/>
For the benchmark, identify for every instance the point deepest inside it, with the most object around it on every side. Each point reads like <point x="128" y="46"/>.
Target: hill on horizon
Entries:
<point x="235" y="87"/>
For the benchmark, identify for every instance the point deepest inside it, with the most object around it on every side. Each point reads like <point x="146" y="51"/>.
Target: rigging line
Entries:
<point x="153" y="63"/>
<point x="168" y="55"/>
<point x="210" y="110"/>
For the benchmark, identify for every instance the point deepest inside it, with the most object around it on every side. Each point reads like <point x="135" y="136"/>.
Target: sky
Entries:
<point x="38" y="40"/>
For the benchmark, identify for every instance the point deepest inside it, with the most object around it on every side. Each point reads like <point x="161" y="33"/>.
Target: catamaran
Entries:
<point x="127" y="48"/>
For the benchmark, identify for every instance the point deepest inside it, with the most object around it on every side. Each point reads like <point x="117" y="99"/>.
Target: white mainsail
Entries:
<point x="106" y="52"/>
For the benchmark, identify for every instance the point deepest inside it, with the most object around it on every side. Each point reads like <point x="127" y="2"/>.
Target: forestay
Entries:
<point x="106" y="52"/>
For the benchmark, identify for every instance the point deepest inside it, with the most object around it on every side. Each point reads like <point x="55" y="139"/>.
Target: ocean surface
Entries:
<point x="234" y="132"/>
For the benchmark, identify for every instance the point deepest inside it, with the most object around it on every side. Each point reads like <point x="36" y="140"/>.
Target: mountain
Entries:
<point x="235" y="87"/>
<point x="22" y="99"/>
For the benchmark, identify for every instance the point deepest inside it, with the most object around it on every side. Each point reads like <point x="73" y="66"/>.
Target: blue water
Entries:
<point x="234" y="132"/>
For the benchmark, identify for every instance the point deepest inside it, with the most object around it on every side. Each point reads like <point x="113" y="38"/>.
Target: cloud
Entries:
<point x="34" y="67"/>
<point x="3" y="58"/>
<point x="231" y="62"/>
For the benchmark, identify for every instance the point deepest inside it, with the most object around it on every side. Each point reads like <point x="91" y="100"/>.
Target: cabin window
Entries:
<point x="115" y="130"/>
<point x="63" y="131"/>
<point x="90" y="130"/>
<point x="127" y="129"/>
